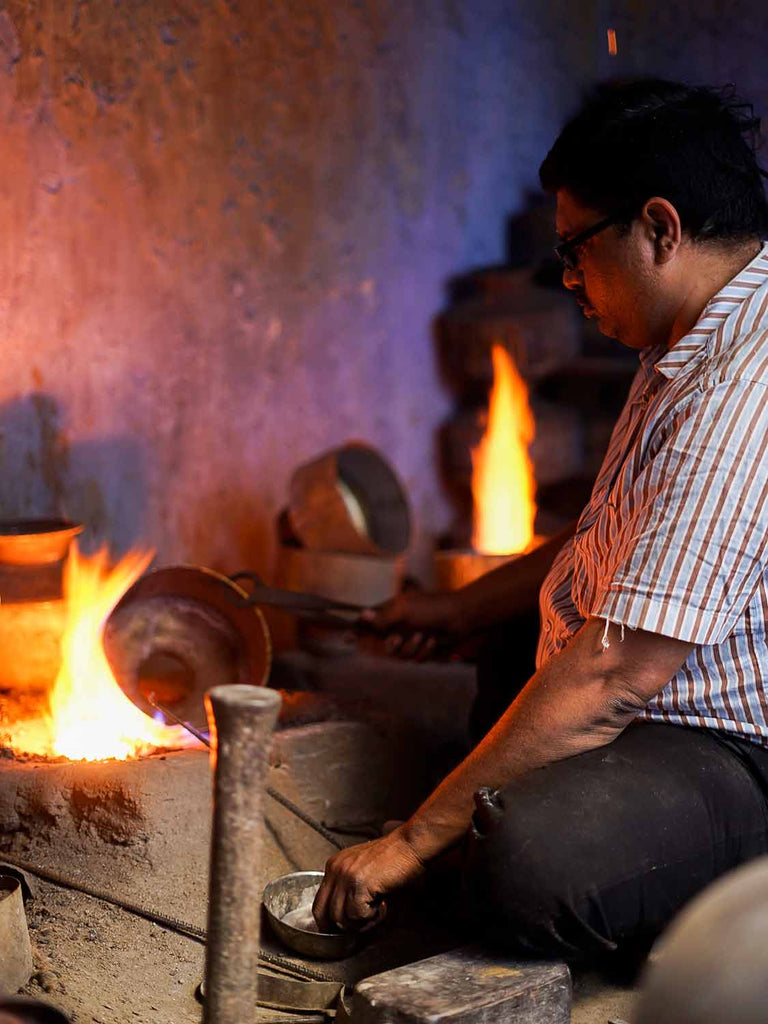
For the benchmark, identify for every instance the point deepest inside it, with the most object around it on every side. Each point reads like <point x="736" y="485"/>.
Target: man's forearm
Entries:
<point x="512" y="588"/>
<point x="582" y="699"/>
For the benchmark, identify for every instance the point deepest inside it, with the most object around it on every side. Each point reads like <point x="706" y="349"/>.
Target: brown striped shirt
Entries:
<point x="674" y="539"/>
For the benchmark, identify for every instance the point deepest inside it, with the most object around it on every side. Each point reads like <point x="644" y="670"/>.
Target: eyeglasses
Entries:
<point x="567" y="252"/>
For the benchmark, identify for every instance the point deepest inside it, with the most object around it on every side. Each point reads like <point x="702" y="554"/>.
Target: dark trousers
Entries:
<point x="594" y="855"/>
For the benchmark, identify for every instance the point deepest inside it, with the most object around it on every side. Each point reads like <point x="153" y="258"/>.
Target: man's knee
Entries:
<point x="532" y="874"/>
<point x="514" y="879"/>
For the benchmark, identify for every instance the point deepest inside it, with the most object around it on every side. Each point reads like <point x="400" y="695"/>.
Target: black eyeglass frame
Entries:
<point x="565" y="252"/>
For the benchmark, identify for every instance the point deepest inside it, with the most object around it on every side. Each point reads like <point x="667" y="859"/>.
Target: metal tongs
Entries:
<point x="339" y="613"/>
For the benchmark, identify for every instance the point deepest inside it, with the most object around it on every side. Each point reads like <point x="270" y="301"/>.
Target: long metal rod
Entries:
<point x="278" y="797"/>
<point x="292" y="600"/>
<point x="241" y="720"/>
<point x="179" y="721"/>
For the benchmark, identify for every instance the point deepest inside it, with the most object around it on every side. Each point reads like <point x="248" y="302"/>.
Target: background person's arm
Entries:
<point x="416" y="620"/>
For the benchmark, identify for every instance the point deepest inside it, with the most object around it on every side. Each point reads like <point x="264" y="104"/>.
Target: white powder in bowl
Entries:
<point x="301" y="918"/>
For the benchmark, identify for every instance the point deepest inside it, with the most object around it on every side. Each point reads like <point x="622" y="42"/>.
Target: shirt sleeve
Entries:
<point x="692" y="542"/>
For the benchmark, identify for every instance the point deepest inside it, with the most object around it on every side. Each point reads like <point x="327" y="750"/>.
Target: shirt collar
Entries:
<point x="719" y="308"/>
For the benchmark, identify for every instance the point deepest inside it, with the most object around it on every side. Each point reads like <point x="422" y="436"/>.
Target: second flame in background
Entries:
<point x="503" y="483"/>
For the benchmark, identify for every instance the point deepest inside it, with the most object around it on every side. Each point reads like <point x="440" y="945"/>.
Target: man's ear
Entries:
<point x="661" y="223"/>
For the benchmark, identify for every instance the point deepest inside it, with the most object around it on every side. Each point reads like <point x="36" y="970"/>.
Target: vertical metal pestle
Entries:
<point x="241" y="720"/>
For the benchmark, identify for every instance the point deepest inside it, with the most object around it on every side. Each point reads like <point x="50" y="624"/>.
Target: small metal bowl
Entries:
<point x="289" y="892"/>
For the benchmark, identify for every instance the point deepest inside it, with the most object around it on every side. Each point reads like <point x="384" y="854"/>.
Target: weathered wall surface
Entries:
<point x="224" y="230"/>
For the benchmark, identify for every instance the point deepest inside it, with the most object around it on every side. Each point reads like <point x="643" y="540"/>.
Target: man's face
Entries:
<point x="616" y="280"/>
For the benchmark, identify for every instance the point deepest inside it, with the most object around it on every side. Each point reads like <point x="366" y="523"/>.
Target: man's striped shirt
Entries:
<point x="674" y="539"/>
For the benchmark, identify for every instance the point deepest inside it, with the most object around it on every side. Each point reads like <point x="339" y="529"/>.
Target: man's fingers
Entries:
<point x="320" y="904"/>
<point x="342" y="902"/>
<point x="411" y="646"/>
<point x="392" y="644"/>
<point x="360" y="908"/>
<point x="380" y="914"/>
<point x="357" y="879"/>
<point x="337" y="906"/>
<point x="418" y="647"/>
<point x="427" y="648"/>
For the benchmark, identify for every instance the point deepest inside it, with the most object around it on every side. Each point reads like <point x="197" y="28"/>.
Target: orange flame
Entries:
<point x="502" y="473"/>
<point x="89" y="716"/>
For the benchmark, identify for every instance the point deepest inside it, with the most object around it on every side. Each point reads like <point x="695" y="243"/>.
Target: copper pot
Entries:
<point x="350" y="500"/>
<point x="36" y="541"/>
<point x="180" y="631"/>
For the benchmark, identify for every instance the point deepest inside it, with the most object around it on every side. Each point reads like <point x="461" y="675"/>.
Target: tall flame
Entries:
<point x="502" y="473"/>
<point x="89" y="717"/>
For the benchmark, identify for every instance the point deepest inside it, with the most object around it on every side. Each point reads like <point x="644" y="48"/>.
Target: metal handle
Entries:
<point x="241" y="720"/>
<point x="252" y="577"/>
<point x="294" y="600"/>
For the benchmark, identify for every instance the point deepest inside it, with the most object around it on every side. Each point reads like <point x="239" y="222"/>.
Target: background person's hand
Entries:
<point x="417" y="621"/>
<point x="358" y="879"/>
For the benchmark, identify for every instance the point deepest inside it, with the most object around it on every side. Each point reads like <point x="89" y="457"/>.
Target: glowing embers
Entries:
<point x="88" y="716"/>
<point x="503" y="483"/>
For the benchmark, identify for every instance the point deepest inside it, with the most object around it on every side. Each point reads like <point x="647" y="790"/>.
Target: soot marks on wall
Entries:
<point x="44" y="473"/>
<point x="34" y="455"/>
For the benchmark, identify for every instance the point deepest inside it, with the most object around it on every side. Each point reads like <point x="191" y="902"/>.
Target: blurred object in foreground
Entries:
<point x="711" y="965"/>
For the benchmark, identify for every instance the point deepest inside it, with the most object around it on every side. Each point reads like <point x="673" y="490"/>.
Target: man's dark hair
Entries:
<point x="692" y="145"/>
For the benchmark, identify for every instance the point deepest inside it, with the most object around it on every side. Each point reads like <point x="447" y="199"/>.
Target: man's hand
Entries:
<point x="357" y="880"/>
<point x="417" y="620"/>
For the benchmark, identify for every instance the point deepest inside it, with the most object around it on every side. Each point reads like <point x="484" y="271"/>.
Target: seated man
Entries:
<point x="632" y="767"/>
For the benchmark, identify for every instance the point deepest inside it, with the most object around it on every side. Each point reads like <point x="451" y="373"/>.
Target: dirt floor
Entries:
<point x="102" y="965"/>
<point x="99" y="964"/>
